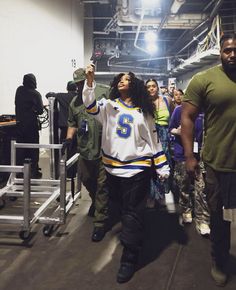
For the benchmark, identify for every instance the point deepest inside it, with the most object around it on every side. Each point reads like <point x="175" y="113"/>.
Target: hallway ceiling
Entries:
<point x="182" y="28"/>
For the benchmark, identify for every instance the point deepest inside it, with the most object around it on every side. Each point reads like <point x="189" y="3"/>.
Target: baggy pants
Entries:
<point x="130" y="195"/>
<point x="189" y="197"/>
<point x="93" y="177"/>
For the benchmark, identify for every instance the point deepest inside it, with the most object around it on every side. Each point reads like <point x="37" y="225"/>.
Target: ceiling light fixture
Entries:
<point x="151" y="48"/>
<point x="146" y="4"/>
<point x="150" y="36"/>
<point x="150" y="39"/>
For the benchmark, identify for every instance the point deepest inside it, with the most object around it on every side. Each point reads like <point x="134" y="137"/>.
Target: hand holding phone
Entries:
<point x="90" y="74"/>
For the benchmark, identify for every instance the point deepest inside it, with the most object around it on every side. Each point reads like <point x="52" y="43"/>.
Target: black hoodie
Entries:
<point x="28" y="103"/>
<point x="29" y="81"/>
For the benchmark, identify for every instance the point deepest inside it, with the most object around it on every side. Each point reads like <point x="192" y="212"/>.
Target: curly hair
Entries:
<point x="137" y="92"/>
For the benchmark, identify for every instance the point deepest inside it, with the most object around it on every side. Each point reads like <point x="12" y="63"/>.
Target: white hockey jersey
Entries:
<point x="129" y="139"/>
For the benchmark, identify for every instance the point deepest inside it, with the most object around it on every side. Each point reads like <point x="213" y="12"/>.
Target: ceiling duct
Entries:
<point x="129" y="13"/>
<point x="95" y="1"/>
<point x="182" y="21"/>
<point x="176" y="6"/>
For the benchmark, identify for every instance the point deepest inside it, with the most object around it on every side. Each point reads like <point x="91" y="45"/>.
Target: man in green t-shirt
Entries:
<point x="214" y="92"/>
<point x="91" y="168"/>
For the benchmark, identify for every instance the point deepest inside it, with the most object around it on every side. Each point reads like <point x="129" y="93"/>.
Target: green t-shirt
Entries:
<point x="89" y="131"/>
<point x="214" y="93"/>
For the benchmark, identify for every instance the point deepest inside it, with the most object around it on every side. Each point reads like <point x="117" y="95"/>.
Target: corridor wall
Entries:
<point x="44" y="37"/>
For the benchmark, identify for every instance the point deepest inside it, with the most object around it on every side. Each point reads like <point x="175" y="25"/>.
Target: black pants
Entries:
<point x="63" y="133"/>
<point x="130" y="195"/>
<point x="28" y="136"/>
<point x="220" y="229"/>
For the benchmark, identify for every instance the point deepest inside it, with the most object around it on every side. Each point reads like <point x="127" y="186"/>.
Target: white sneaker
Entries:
<point x="169" y="197"/>
<point x="203" y="229"/>
<point x="170" y="203"/>
<point x="187" y="217"/>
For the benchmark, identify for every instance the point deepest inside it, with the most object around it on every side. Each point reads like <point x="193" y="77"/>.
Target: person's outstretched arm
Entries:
<point x="188" y="116"/>
<point x="93" y="107"/>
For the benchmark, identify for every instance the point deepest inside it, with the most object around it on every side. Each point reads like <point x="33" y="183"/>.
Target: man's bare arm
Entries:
<point x="70" y="132"/>
<point x="188" y="116"/>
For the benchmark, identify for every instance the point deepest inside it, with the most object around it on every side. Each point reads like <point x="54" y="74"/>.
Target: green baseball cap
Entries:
<point x="79" y="75"/>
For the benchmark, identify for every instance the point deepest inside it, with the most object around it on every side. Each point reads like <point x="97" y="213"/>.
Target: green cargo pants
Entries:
<point x="93" y="177"/>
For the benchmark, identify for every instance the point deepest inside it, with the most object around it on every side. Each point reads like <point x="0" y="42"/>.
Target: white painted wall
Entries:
<point x="42" y="37"/>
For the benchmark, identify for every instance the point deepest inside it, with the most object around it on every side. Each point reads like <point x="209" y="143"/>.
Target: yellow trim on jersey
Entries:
<point x="160" y="159"/>
<point x="93" y="110"/>
<point x="126" y="106"/>
<point x="116" y="163"/>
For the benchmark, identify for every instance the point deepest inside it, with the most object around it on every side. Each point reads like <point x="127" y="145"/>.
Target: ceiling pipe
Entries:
<point x="101" y="32"/>
<point x="208" y="5"/>
<point x="211" y="16"/>
<point x="112" y="23"/>
<point x="202" y="24"/>
<point x="135" y="67"/>
<point x="94" y="1"/>
<point x="150" y="59"/>
<point x="137" y="34"/>
<point x="215" y="9"/>
<point x="194" y="39"/>
<point x="163" y="21"/>
<point x="97" y="18"/>
<point x="176" y="6"/>
<point x="125" y="7"/>
<point x="180" y="21"/>
<point x="123" y="17"/>
<point x="104" y="73"/>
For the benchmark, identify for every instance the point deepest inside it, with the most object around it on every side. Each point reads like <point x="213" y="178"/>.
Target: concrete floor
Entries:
<point x="173" y="258"/>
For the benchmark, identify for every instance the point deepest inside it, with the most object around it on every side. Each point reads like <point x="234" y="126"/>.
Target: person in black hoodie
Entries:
<point x="64" y="100"/>
<point x="28" y="105"/>
<point x="60" y="116"/>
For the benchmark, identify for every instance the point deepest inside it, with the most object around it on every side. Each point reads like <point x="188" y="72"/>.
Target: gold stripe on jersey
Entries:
<point x="123" y="105"/>
<point x="93" y="108"/>
<point x="160" y="159"/>
<point x="116" y="164"/>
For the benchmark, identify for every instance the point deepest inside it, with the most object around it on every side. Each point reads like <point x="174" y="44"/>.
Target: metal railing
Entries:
<point x="53" y="191"/>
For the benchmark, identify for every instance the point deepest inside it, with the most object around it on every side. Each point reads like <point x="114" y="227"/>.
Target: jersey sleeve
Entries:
<point x="159" y="159"/>
<point x="93" y="107"/>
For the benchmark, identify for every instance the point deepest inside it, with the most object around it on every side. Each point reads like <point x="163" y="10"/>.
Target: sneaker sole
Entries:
<point x="219" y="284"/>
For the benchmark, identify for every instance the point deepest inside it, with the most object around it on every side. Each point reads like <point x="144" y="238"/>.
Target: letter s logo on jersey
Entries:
<point x="124" y="128"/>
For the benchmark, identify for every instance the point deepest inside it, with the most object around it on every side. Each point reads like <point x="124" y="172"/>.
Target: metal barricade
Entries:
<point x="53" y="191"/>
<point x="23" y="220"/>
